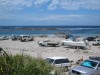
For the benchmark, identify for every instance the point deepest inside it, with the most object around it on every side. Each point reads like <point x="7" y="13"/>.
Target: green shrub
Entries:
<point x="23" y="65"/>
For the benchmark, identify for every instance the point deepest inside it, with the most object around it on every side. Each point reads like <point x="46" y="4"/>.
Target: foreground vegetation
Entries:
<point x="23" y="65"/>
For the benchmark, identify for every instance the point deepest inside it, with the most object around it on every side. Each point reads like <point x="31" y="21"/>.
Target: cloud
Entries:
<point x="50" y="4"/>
<point x="74" y="4"/>
<point x="14" y="4"/>
<point x="49" y="19"/>
<point x="7" y="5"/>
<point x="91" y="4"/>
<point x="39" y="3"/>
<point x="59" y="17"/>
<point x="68" y="19"/>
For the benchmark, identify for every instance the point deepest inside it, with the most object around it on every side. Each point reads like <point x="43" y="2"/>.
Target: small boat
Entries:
<point x="75" y="43"/>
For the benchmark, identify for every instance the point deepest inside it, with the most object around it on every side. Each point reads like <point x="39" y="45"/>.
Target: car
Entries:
<point x="43" y="43"/>
<point x="96" y="42"/>
<point x="89" y="66"/>
<point x="90" y="38"/>
<point x="59" y="61"/>
<point x="24" y="38"/>
<point x="4" y="38"/>
<point x="15" y="37"/>
<point x="48" y="43"/>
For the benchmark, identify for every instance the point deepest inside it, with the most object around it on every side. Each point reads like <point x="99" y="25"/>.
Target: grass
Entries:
<point x="23" y="65"/>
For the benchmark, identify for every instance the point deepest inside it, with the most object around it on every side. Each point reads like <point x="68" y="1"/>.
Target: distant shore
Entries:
<point x="30" y="29"/>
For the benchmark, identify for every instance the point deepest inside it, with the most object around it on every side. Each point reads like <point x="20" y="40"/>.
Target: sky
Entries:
<point x="49" y="12"/>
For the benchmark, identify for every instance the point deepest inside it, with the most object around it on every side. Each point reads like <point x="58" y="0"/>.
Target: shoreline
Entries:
<point x="54" y="35"/>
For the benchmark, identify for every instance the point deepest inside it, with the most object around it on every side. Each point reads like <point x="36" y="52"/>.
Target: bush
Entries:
<point x="23" y="65"/>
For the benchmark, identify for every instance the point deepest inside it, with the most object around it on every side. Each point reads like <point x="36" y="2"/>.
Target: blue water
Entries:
<point x="74" y="30"/>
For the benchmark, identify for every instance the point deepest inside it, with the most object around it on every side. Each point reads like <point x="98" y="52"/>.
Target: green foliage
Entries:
<point x="23" y="65"/>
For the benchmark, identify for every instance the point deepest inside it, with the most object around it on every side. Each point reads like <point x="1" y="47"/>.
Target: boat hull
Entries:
<point x="74" y="43"/>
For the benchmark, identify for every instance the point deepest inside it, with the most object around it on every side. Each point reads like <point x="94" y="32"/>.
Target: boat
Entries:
<point x="75" y="43"/>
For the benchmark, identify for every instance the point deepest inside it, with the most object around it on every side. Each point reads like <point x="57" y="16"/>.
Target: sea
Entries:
<point x="50" y="30"/>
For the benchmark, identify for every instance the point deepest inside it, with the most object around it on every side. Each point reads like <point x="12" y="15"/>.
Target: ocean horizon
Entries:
<point x="50" y="30"/>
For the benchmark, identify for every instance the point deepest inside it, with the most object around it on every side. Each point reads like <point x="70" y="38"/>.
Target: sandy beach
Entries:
<point x="33" y="49"/>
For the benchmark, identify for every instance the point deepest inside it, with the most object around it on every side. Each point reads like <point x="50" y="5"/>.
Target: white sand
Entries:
<point x="33" y="49"/>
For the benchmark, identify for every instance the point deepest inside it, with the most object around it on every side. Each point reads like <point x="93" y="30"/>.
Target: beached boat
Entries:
<point x="75" y="43"/>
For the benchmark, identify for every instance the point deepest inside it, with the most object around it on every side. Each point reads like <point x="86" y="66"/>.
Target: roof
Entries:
<point x="57" y="57"/>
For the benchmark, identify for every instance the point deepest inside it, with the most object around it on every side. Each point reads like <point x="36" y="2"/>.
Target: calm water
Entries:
<point x="74" y="30"/>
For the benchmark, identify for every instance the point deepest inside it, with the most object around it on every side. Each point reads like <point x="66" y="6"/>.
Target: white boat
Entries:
<point x="75" y="43"/>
